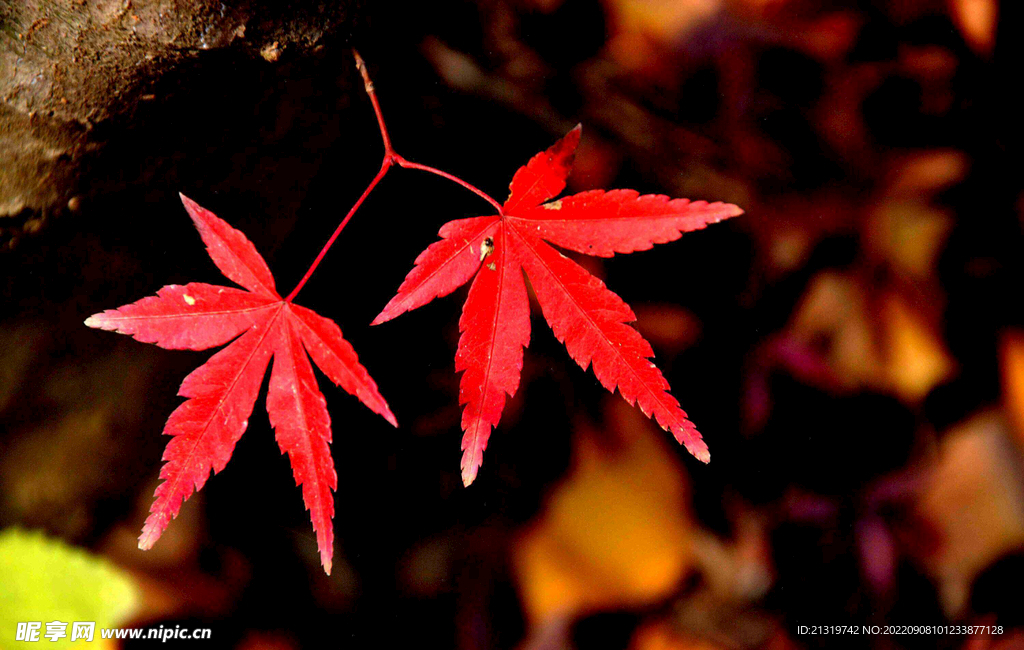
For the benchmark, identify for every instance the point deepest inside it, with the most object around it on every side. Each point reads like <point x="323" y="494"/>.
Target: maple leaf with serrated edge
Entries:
<point x="222" y="392"/>
<point x="583" y="314"/>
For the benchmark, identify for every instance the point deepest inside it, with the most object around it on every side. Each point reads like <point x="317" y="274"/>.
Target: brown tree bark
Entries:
<point x="75" y="74"/>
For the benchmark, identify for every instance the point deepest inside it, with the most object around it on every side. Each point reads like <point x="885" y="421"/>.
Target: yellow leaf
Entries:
<point x="616" y="532"/>
<point x="44" y="580"/>
<point x="917" y="359"/>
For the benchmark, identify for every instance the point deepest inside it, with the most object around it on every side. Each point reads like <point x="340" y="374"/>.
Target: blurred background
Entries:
<point x="852" y="348"/>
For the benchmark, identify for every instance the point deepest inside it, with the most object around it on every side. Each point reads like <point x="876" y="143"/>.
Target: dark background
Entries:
<point x="850" y="347"/>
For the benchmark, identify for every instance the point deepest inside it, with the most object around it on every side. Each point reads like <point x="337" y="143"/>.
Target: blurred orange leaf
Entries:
<point x="642" y="27"/>
<point x="909" y="235"/>
<point x="975" y="499"/>
<point x="917" y="359"/>
<point x="977" y="22"/>
<point x="893" y="350"/>
<point x="1012" y="361"/>
<point x="616" y="533"/>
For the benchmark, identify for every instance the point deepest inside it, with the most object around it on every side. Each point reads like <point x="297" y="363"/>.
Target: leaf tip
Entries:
<point x="565" y="149"/>
<point x="699" y="450"/>
<point x="195" y="211"/>
<point x="148" y="537"/>
<point x="474" y="442"/>
<point x="155" y="525"/>
<point x="94" y="321"/>
<point x="470" y="466"/>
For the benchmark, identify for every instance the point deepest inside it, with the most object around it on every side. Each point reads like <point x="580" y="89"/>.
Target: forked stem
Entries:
<point x="402" y="162"/>
<point x="391" y="158"/>
<point x="337" y="231"/>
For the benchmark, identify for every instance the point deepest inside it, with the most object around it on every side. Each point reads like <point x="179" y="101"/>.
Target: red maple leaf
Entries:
<point x="222" y="392"/>
<point x="584" y="315"/>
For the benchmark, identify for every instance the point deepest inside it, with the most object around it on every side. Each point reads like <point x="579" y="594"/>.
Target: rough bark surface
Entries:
<point x="75" y="74"/>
